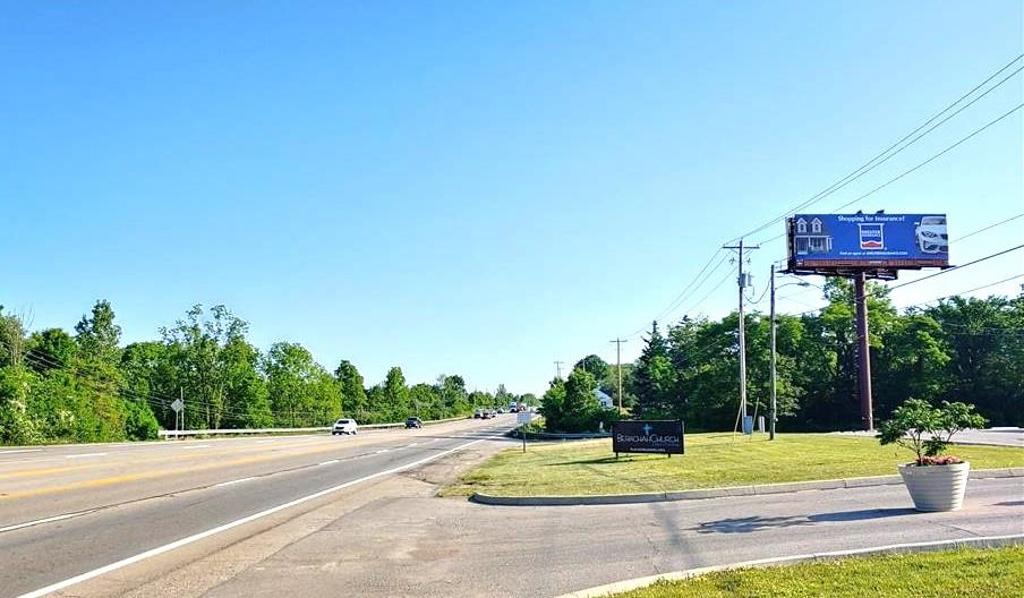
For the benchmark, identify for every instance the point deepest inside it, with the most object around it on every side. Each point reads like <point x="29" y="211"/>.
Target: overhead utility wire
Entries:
<point x="879" y="160"/>
<point x="920" y="165"/>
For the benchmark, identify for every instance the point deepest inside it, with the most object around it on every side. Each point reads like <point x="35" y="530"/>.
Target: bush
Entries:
<point x="140" y="424"/>
<point x="927" y="430"/>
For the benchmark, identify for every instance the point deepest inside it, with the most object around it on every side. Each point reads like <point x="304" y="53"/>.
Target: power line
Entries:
<point x="954" y="268"/>
<point x="989" y="227"/>
<point x="920" y="165"/>
<point x="682" y="296"/>
<point x="878" y="159"/>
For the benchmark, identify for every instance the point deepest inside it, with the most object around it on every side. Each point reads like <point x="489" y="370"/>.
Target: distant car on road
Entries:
<point x="413" y="422"/>
<point x="513" y="409"/>
<point x="345" y="426"/>
<point x="484" y="414"/>
<point x="478" y="414"/>
<point x="501" y="410"/>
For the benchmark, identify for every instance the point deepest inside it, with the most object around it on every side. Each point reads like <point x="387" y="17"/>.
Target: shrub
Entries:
<point x="927" y="430"/>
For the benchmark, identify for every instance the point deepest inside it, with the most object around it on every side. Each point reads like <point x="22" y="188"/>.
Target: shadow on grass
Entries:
<point x="603" y="460"/>
<point x="745" y="525"/>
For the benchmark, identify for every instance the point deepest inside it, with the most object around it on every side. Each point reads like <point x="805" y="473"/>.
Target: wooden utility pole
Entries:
<point x="742" y="282"/>
<point x="618" y="364"/>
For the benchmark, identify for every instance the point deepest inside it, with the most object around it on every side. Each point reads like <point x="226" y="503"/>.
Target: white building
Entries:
<point x="603" y="398"/>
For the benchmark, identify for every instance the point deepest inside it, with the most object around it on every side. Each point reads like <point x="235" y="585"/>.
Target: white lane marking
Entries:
<point x="411" y="444"/>
<point x="381" y="451"/>
<point x="332" y="461"/>
<point x="60" y="585"/>
<point x="20" y="451"/>
<point x="86" y="455"/>
<point x="233" y="482"/>
<point x="196" y="446"/>
<point x="11" y="528"/>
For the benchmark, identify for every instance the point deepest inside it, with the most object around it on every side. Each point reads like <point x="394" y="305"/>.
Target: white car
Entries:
<point x="345" y="426"/>
<point x="931" y="235"/>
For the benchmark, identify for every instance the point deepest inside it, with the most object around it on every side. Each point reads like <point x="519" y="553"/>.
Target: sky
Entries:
<point x="479" y="188"/>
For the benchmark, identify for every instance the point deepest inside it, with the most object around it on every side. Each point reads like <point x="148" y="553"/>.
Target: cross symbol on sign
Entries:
<point x="647" y="429"/>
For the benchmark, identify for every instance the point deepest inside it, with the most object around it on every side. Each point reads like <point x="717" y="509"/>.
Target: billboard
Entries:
<point x="650" y="436"/>
<point x="887" y="241"/>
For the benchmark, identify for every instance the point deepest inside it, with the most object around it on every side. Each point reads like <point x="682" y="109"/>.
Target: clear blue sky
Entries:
<point x="471" y="187"/>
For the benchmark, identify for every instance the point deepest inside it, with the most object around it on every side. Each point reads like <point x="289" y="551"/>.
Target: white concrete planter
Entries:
<point x="936" y="487"/>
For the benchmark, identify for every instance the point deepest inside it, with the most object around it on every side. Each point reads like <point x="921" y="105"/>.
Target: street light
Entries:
<point x="772" y="416"/>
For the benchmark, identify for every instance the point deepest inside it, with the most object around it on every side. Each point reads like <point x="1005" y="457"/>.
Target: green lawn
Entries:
<point x="711" y="460"/>
<point x="966" y="572"/>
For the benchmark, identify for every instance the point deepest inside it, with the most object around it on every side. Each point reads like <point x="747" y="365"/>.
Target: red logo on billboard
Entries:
<point x="871" y="236"/>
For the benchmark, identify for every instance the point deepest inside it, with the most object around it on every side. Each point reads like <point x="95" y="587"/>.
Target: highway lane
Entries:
<point x="127" y="499"/>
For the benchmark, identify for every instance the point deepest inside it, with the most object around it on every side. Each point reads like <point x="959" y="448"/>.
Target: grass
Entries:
<point x="966" y="572"/>
<point x="711" y="460"/>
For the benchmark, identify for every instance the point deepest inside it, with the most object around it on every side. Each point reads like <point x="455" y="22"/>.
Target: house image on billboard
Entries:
<point x="810" y="237"/>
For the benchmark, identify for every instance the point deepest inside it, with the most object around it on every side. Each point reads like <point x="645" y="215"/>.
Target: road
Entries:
<point x="419" y="545"/>
<point x="254" y="525"/>
<point x="65" y="511"/>
<point x="1007" y="436"/>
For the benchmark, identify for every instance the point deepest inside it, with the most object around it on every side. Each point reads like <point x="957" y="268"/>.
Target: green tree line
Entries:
<point x="84" y="386"/>
<point x="959" y="349"/>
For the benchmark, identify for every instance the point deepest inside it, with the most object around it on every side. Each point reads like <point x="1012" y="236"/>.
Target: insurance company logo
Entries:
<point x="871" y="235"/>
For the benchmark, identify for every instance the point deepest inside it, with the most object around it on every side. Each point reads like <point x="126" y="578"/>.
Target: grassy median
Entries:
<point x="967" y="572"/>
<point x="711" y="460"/>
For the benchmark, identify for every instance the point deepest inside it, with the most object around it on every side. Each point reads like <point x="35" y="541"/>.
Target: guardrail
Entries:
<point x="250" y="431"/>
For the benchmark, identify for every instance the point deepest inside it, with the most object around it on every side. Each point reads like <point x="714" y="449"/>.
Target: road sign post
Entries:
<point x="523" y="418"/>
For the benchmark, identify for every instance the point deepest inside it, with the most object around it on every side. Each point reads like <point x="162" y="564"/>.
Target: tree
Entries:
<point x="654" y="378"/>
<point x="97" y="334"/>
<point x="593" y="365"/>
<point x="396" y="395"/>
<point x="352" y="391"/>
<point x="301" y="391"/>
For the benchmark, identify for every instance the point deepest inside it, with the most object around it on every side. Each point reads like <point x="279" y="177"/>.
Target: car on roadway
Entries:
<point x="484" y="414"/>
<point x="413" y="422"/>
<point x="501" y="410"/>
<point x="478" y="414"/>
<point x="345" y="426"/>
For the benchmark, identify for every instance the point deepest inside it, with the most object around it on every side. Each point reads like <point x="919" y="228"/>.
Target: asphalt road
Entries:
<point x="68" y="510"/>
<point x="422" y="546"/>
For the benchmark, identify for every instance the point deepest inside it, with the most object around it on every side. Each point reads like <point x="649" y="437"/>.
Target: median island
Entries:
<point x="964" y="572"/>
<point x="713" y="460"/>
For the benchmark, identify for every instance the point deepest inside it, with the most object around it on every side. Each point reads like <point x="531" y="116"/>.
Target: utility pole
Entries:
<point x="558" y="369"/>
<point x="618" y="363"/>
<point x="863" y="351"/>
<point x="742" y="283"/>
<point x="771" y="414"/>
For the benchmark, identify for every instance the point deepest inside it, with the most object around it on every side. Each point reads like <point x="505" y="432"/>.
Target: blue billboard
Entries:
<point x="889" y="241"/>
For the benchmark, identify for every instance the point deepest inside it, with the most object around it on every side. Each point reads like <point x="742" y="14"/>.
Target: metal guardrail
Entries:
<point x="252" y="431"/>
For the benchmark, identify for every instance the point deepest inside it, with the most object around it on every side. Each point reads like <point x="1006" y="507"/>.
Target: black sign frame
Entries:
<point x="631" y="436"/>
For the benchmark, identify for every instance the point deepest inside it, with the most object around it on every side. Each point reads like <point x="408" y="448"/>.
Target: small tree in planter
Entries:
<point x="935" y="482"/>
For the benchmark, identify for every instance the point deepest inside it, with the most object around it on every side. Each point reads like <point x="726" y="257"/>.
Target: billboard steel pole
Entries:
<point x="863" y="352"/>
<point x="771" y="416"/>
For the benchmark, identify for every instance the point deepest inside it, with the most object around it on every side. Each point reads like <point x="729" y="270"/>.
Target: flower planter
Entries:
<point x="936" y="487"/>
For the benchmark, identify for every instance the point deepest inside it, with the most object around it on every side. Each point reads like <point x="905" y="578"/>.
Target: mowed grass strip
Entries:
<point x="711" y="460"/>
<point x="986" y="572"/>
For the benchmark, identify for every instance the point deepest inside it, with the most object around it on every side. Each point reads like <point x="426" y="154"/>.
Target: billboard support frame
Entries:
<point x="855" y="265"/>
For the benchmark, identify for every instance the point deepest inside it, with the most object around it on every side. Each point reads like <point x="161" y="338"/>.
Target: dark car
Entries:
<point x="413" y="422"/>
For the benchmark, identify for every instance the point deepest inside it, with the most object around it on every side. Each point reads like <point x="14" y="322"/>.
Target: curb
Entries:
<point x="640" y="582"/>
<point x="699" y="494"/>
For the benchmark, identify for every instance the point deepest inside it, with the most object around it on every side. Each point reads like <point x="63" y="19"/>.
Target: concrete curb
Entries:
<point x="640" y="582"/>
<point x="703" y="493"/>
